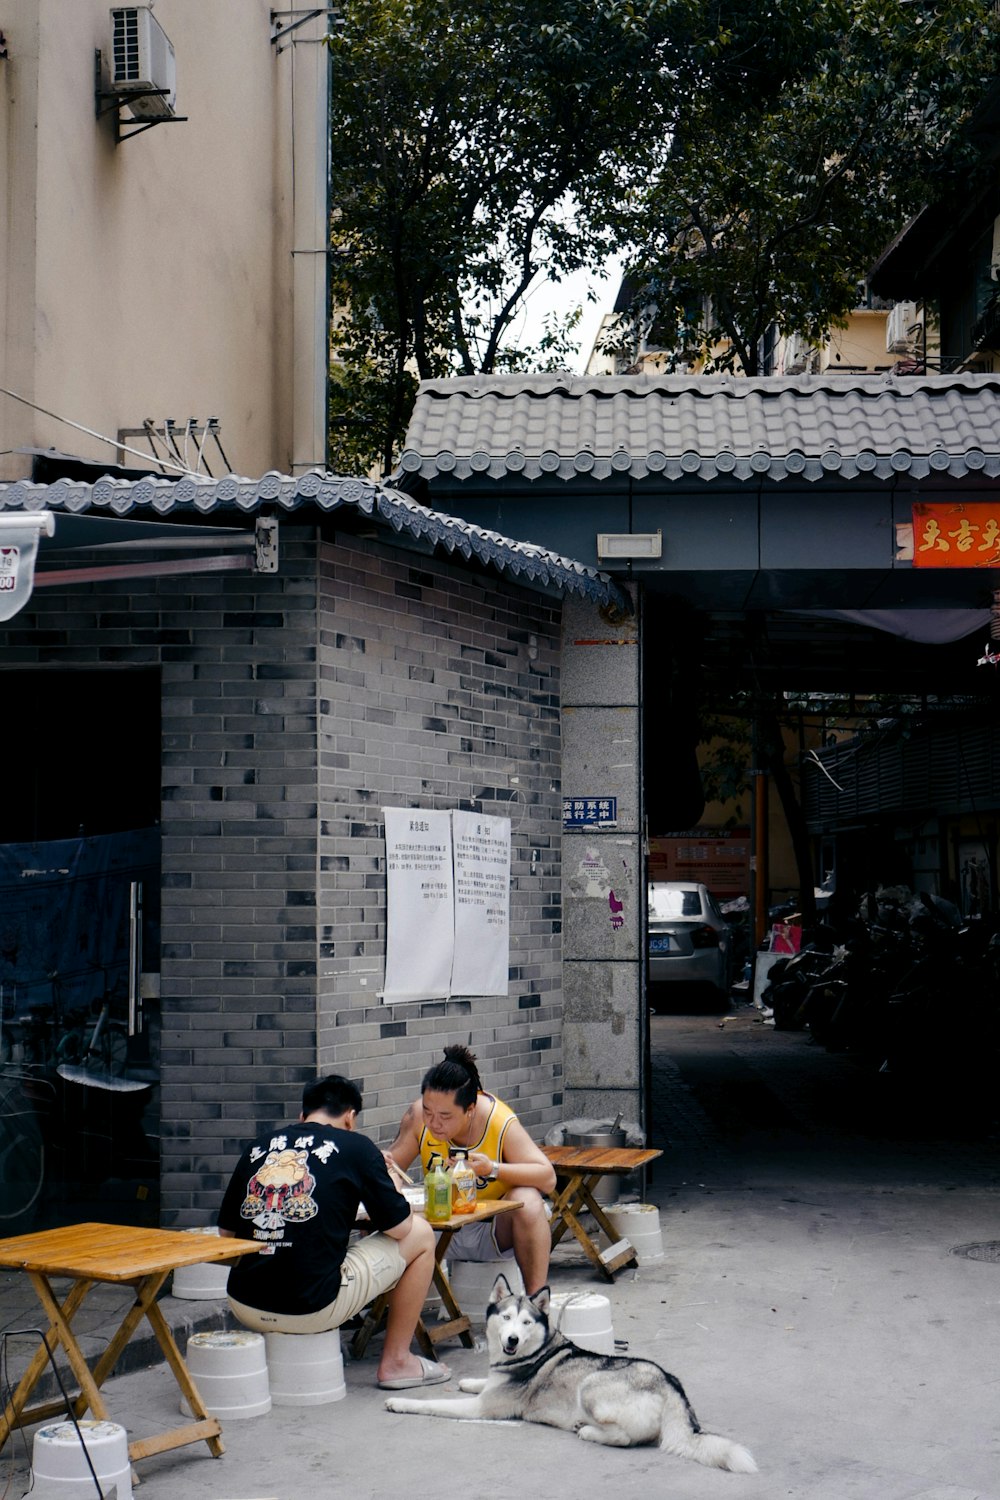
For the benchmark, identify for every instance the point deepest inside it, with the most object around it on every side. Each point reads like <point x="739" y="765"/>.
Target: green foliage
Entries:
<point x="794" y="158"/>
<point x="725" y="759"/>
<point x="748" y="161"/>
<point x="467" y="142"/>
<point x="363" y="393"/>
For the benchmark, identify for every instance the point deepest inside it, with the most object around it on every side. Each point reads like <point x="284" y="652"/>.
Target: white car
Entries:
<point x="690" y="941"/>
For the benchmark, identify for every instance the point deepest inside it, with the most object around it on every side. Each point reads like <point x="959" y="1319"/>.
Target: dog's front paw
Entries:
<point x="474" y="1385"/>
<point x="400" y="1403"/>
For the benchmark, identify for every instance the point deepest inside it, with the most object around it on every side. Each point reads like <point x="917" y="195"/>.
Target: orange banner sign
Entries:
<point x="963" y="534"/>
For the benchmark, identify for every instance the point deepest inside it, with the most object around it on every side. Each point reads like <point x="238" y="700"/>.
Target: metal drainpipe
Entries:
<point x="758" y="841"/>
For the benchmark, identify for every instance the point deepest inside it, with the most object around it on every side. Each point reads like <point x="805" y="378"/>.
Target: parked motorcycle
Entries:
<point x="909" y="988"/>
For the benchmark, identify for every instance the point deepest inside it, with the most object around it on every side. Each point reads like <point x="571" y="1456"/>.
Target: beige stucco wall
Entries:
<point x="155" y="278"/>
<point x="861" y="345"/>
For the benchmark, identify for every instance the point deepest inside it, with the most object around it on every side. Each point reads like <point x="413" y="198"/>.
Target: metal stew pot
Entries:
<point x="608" y="1138"/>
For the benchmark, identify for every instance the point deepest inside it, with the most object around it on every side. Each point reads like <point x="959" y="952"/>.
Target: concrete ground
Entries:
<point x="809" y="1299"/>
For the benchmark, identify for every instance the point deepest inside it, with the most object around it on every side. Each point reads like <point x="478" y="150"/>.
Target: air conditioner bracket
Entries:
<point x="106" y="101"/>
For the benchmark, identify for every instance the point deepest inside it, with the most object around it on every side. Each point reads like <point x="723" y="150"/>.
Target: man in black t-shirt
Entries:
<point x="297" y="1189"/>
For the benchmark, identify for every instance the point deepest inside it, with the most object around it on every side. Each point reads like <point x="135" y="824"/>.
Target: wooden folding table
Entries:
<point x="123" y="1255"/>
<point x="579" y="1169"/>
<point x="457" y="1322"/>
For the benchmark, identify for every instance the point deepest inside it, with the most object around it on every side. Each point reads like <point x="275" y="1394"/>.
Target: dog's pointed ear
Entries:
<point x="501" y="1289"/>
<point x="540" y="1299"/>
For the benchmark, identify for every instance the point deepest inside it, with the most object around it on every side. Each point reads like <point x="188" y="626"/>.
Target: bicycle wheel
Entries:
<point x="71" y="1046"/>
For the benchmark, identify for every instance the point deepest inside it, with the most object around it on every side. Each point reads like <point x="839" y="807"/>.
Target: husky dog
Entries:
<point x="538" y="1375"/>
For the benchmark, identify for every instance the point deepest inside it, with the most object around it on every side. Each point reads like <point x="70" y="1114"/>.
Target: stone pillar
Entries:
<point x="603" y="868"/>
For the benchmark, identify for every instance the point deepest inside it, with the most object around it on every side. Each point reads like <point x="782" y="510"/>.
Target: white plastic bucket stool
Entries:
<point x="59" y="1465"/>
<point x="230" y="1371"/>
<point x="305" y="1369"/>
<point x="585" y="1319"/>
<point x="472" y="1281"/>
<point x="205" y="1281"/>
<point x="639" y="1223"/>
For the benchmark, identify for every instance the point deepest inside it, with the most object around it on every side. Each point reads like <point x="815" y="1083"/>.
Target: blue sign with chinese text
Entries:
<point x="590" y="812"/>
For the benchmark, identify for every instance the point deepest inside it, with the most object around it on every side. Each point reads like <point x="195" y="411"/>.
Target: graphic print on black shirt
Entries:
<point x="280" y="1191"/>
<point x="297" y="1191"/>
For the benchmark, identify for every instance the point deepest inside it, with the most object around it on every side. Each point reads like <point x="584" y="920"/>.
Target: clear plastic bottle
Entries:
<point x="463" y="1190"/>
<point x="437" y="1184"/>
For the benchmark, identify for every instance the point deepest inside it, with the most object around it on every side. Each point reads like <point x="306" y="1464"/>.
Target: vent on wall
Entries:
<point x="143" y="70"/>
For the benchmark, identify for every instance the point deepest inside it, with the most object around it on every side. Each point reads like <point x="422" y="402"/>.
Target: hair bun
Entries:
<point x="457" y="1074"/>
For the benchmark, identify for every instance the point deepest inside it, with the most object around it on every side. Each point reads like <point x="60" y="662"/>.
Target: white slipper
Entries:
<point x="431" y="1373"/>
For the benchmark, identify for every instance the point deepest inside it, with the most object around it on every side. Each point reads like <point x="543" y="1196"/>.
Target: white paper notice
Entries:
<point x="482" y="904"/>
<point x="420" y="926"/>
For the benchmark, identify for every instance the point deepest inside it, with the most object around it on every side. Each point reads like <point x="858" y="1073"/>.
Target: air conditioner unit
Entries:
<point x="902" y="317"/>
<point x="142" y="58"/>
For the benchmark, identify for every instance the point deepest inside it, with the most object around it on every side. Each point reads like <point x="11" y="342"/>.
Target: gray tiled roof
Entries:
<point x="679" y="426"/>
<point x="198" y="494"/>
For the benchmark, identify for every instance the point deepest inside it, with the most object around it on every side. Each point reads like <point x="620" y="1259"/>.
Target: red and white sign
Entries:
<point x="714" y="857"/>
<point x="9" y="560"/>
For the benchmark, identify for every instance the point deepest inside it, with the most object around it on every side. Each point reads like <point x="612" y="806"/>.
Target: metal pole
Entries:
<point x="134" y="957"/>
<point x="760" y="855"/>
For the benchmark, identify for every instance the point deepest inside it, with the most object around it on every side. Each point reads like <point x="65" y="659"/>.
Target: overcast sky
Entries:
<point x="562" y="298"/>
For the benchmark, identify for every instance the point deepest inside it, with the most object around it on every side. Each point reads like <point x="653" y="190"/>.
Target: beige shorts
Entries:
<point x="371" y="1266"/>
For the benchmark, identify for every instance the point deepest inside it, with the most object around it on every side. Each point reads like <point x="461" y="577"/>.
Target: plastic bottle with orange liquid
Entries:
<point x="463" y="1185"/>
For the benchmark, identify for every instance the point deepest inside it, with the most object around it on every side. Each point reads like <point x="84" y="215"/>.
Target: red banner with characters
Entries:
<point x="956" y="534"/>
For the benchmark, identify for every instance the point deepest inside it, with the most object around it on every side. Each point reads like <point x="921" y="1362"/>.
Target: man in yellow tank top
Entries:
<point x="453" y="1112"/>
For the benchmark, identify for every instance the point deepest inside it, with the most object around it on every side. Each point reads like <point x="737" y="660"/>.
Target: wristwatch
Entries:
<point x="494" y="1171"/>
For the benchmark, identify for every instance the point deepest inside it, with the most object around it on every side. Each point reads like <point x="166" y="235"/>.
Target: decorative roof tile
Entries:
<point x="677" y="426"/>
<point x="327" y="492"/>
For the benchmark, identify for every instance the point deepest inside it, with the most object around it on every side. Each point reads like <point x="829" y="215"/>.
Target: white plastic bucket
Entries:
<point x="585" y="1318"/>
<point x="639" y="1223"/>
<point x="59" y="1465"/>
<point x="472" y="1281"/>
<point x="305" y="1369"/>
<point x="203" y="1282"/>
<point x="230" y="1371"/>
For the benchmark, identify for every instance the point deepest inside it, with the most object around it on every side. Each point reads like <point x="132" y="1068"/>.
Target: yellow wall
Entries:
<point x="860" y="345"/>
<point x="783" y="879"/>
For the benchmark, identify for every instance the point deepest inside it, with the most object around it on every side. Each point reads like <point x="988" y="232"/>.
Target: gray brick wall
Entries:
<point x="294" y="708"/>
<point x="438" y="689"/>
<point x="239" y="926"/>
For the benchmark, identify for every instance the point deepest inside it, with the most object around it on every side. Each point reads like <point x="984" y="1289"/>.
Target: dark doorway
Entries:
<point x="80" y="762"/>
<point x="80" y="753"/>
